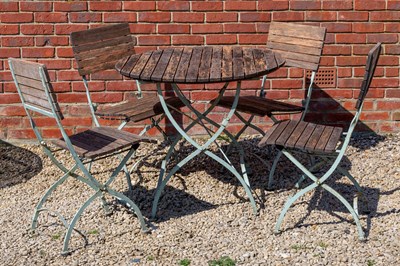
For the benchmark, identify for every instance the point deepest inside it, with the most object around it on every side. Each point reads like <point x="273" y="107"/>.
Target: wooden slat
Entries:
<point x="259" y="60"/>
<point x="194" y="65"/>
<point x="34" y="83"/>
<point x="271" y="60"/>
<point x="205" y="65"/>
<point x="249" y="66"/>
<point x="297" y="133"/>
<point x="34" y="92"/>
<point x="99" y="34"/>
<point x="302" y="141"/>
<point x="226" y="71"/>
<point x="299" y="57"/>
<point x="162" y="65"/>
<point x="299" y="48"/>
<point x="291" y="41"/>
<point x="216" y="65"/>
<point x="151" y="65"/>
<point x="283" y="138"/>
<point x="267" y="135"/>
<point x="237" y="63"/>
<point x="139" y="66"/>
<point x="301" y="64"/>
<point x="87" y="57"/>
<point x="333" y="139"/>
<point x="277" y="132"/>
<point x="180" y="75"/>
<point x="298" y="30"/>
<point x="118" y="40"/>
<point x="170" y="71"/>
<point x="323" y="140"/>
<point x="128" y="65"/>
<point x="313" y="139"/>
<point x="26" y="69"/>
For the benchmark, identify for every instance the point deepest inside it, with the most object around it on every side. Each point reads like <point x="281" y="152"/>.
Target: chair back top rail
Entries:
<point x="300" y="45"/>
<point x="100" y="48"/>
<point x="372" y="61"/>
<point x="34" y="87"/>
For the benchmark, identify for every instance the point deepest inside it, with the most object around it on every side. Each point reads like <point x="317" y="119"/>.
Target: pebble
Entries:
<point x="205" y="213"/>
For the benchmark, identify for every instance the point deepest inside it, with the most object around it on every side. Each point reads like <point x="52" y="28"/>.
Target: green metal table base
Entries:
<point x="182" y="133"/>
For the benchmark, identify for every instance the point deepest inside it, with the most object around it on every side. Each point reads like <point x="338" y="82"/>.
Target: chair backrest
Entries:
<point x="300" y="45"/>
<point x="100" y="48"/>
<point x="370" y="66"/>
<point x="34" y="87"/>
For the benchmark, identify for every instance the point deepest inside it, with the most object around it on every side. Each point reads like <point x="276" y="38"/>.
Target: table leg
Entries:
<point x="199" y="148"/>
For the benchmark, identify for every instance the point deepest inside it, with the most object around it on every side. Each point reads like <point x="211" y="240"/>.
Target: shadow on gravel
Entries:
<point x="17" y="165"/>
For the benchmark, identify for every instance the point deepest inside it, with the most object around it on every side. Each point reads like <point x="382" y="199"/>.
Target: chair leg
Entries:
<point x="273" y="168"/>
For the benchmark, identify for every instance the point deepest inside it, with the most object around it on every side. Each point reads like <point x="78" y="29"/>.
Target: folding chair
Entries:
<point x="324" y="142"/>
<point x="34" y="88"/>
<point x="99" y="49"/>
<point x="301" y="47"/>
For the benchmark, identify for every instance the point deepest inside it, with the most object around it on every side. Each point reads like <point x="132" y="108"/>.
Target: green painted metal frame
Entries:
<point x="182" y="134"/>
<point x="88" y="179"/>
<point x="334" y="159"/>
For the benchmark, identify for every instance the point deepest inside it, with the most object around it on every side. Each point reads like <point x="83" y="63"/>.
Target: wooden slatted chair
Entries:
<point x="323" y="142"/>
<point x="36" y="93"/>
<point x="301" y="47"/>
<point x="99" y="49"/>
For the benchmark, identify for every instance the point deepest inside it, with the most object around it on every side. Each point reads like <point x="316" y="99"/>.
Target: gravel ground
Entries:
<point x="205" y="214"/>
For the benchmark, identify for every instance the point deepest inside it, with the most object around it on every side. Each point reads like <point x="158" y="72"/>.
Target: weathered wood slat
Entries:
<point x="129" y="64"/>
<point x="283" y="138"/>
<point x="302" y="141"/>
<point x="216" y="64"/>
<point x="139" y="66"/>
<point x="295" y="48"/>
<point x="314" y="137"/>
<point x="151" y="65"/>
<point x="205" y="64"/>
<point x="88" y="57"/>
<point x="194" y="65"/>
<point x="162" y="65"/>
<point x="323" y="140"/>
<point x="333" y="139"/>
<point x="226" y="71"/>
<point x="259" y="60"/>
<point x="34" y="83"/>
<point x="99" y="34"/>
<point x="298" y="30"/>
<point x="249" y="66"/>
<point x="302" y="64"/>
<point x="296" y="134"/>
<point x="237" y="63"/>
<point x="277" y="132"/>
<point x="27" y="69"/>
<point x="89" y="47"/>
<point x="34" y="92"/>
<point x="300" y="57"/>
<point x="180" y="75"/>
<point x="170" y="71"/>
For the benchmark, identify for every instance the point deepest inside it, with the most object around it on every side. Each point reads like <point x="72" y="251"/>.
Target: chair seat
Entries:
<point x="138" y="109"/>
<point x="101" y="141"/>
<point x="260" y="106"/>
<point x="303" y="135"/>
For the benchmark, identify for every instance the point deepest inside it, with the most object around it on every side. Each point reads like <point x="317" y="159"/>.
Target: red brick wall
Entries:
<point x="40" y="31"/>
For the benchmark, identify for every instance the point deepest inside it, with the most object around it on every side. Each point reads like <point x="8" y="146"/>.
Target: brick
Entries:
<point x="120" y="17"/>
<point x="344" y="72"/>
<point x="9" y="52"/>
<point x="341" y="27"/>
<point x="240" y="27"/>
<point x="336" y="50"/>
<point x="54" y="17"/>
<point x="388" y="105"/>
<point x="174" y="29"/>
<point x="17" y="41"/>
<point x="203" y="95"/>
<point x="173" y="6"/>
<point x="219" y="17"/>
<point x="382" y="37"/>
<point x="368" y="27"/>
<point x="253" y="39"/>
<point x="37" y="52"/>
<point x="16" y="17"/>
<point x="140" y="5"/>
<point x="8" y="98"/>
<point x="240" y="5"/>
<point x="106" y="75"/>
<point x="361" y="49"/>
<point x="288" y="16"/>
<point x="56" y="63"/>
<point x="391" y="72"/>
<point x="385" y="60"/>
<point x="154" y="17"/>
<point x="9" y="29"/>
<point x="255" y="17"/>
<point x="369" y="5"/>
<point x="273" y="5"/>
<point x="393" y="5"/>
<point x="72" y="97"/>
<point x="351" y="38"/>
<point x="392" y="27"/>
<point x="110" y="97"/>
<point x="154" y="40"/>
<point x="36" y="6"/>
<point x="207" y="28"/>
<point x="305" y="5"/>
<point x="105" y="6"/>
<point x="337" y="5"/>
<point x="67" y="29"/>
<point x="389" y="16"/>
<point x="10" y="122"/>
<point x="349" y="83"/>
<point x="350" y="60"/>
<point x="385" y="83"/>
<point x="20" y="133"/>
<point x="207" y="6"/>
<point x="70" y="6"/>
<point x="321" y="15"/>
<point x="374" y="116"/>
<point x="81" y="17"/>
<point x="188" y="17"/>
<point x="187" y="40"/>
<point x="353" y="16"/>
<point x="37" y="29"/>
<point x="52" y="41"/>
<point x="221" y="39"/>
<point x="9" y="6"/>
<point x="68" y="75"/>
<point x="93" y="86"/>
<point x="287" y="84"/>
<point x="393" y="93"/>
<point x="126" y="85"/>
<point x="12" y="110"/>
<point x="143" y="28"/>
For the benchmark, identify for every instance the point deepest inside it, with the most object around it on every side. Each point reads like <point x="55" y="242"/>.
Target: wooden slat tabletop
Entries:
<point x="205" y="64"/>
